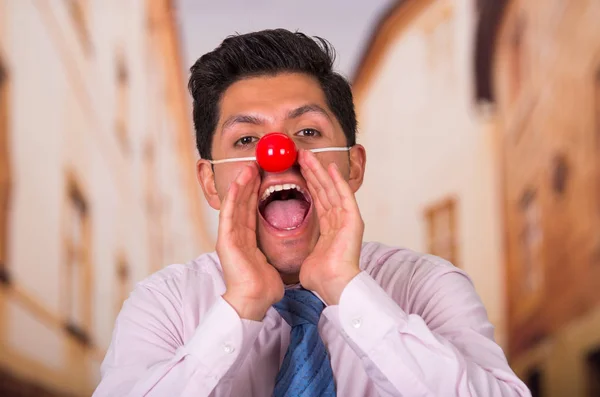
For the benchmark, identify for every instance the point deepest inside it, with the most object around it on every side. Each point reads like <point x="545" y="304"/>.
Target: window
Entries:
<point x="560" y="174"/>
<point x="77" y="283"/>
<point x="122" y="102"/>
<point x="533" y="380"/>
<point x="13" y="385"/>
<point x="593" y="372"/>
<point x="531" y="243"/>
<point x="79" y="13"/>
<point x="4" y="174"/>
<point x="517" y="57"/>
<point x="441" y="230"/>
<point x="123" y="278"/>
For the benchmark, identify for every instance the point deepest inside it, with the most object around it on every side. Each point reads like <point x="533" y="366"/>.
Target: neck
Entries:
<point x="290" y="279"/>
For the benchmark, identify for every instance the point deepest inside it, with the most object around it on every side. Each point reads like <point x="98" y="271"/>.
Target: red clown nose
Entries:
<point x="276" y="152"/>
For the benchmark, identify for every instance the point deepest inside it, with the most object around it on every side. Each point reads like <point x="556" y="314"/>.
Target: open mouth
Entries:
<point x="284" y="207"/>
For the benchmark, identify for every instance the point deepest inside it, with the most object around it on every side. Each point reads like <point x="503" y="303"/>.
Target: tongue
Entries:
<point x="286" y="214"/>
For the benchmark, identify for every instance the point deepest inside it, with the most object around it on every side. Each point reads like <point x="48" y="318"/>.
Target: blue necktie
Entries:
<point x="306" y="370"/>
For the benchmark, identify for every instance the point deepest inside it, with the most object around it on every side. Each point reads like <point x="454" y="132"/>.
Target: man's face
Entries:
<point x="294" y="104"/>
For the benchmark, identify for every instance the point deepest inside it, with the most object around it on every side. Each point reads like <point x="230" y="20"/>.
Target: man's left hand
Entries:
<point x="335" y="258"/>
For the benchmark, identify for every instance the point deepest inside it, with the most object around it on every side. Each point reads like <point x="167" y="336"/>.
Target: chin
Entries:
<point x="287" y="253"/>
<point x="286" y="256"/>
<point x="288" y="261"/>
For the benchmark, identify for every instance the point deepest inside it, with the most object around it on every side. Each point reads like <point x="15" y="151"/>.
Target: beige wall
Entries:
<point x="426" y="141"/>
<point x="549" y="109"/>
<point x="62" y="128"/>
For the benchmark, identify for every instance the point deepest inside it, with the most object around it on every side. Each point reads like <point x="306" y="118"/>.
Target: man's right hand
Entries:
<point x="253" y="285"/>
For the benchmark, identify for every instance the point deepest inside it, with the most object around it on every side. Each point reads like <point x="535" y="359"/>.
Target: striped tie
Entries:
<point x="306" y="370"/>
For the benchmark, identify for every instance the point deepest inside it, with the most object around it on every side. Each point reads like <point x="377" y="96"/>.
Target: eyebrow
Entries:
<point x="241" y="119"/>
<point x="292" y="114"/>
<point x="311" y="108"/>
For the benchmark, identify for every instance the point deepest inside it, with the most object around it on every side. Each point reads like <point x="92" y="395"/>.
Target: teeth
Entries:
<point x="277" y="188"/>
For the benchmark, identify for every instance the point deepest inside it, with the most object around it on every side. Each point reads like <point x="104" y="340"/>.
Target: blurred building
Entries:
<point x="97" y="179"/>
<point x="432" y="170"/>
<point x="481" y="121"/>
<point x="538" y="62"/>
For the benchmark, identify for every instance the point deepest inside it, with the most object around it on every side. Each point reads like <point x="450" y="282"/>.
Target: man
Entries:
<point x="293" y="303"/>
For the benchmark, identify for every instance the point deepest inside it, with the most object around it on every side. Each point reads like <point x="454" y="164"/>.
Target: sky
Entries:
<point x="347" y="24"/>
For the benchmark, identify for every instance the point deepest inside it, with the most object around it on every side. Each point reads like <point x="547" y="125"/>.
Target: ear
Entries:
<point x="206" y="178"/>
<point x="358" y="161"/>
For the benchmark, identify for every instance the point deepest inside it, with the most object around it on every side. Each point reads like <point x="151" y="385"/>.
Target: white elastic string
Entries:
<point x="330" y="149"/>
<point x="320" y="150"/>
<point x="232" y="160"/>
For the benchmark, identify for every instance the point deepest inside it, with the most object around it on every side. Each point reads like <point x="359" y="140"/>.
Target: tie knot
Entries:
<point x="300" y="306"/>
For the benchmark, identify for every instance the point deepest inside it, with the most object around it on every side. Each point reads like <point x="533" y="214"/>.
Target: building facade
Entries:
<point x="481" y="121"/>
<point x="97" y="179"/>
<point x="538" y="63"/>
<point x="432" y="181"/>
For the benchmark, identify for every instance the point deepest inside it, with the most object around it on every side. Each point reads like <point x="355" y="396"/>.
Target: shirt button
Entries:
<point x="356" y="323"/>
<point x="228" y="348"/>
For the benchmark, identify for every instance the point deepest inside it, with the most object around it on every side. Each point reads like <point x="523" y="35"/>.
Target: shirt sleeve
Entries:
<point x="405" y="357"/>
<point x="147" y="356"/>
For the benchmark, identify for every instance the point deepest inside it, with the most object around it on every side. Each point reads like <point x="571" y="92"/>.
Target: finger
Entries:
<point x="320" y="193"/>
<point x="227" y="210"/>
<point x="235" y="191"/>
<point x="316" y="190"/>
<point x="317" y="201"/>
<point x="322" y="213"/>
<point x="323" y="180"/>
<point x="253" y="201"/>
<point x="343" y="188"/>
<point x="243" y="205"/>
<point x="246" y="178"/>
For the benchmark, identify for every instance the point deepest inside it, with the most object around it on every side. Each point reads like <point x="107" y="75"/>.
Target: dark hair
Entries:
<point x="267" y="52"/>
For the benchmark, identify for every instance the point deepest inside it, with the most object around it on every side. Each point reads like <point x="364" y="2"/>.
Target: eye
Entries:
<point x="308" y="133"/>
<point x="245" y="141"/>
